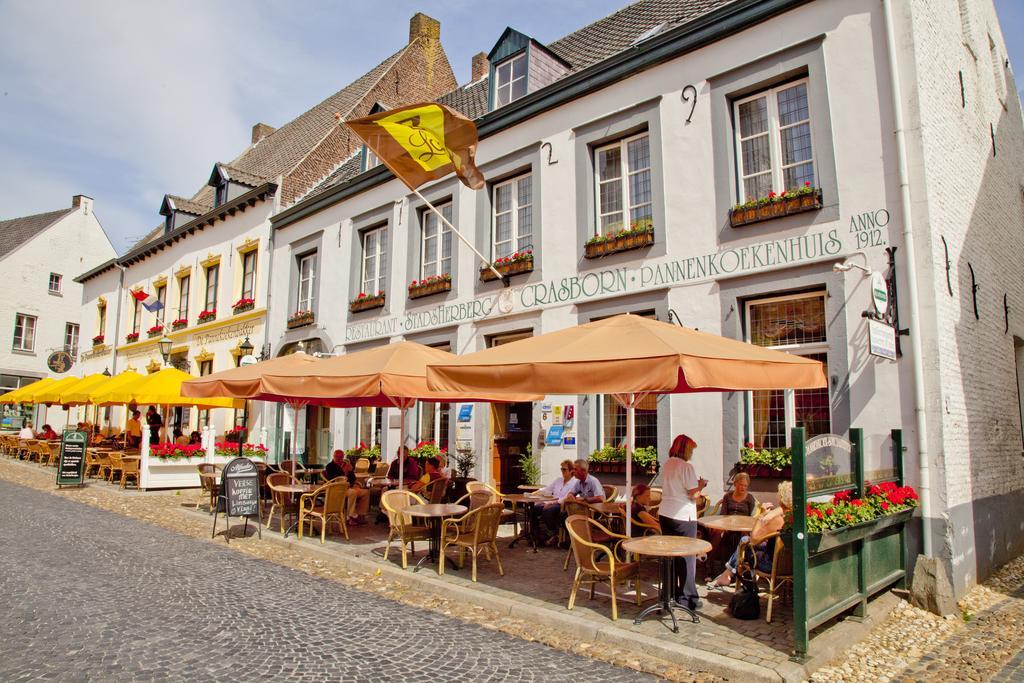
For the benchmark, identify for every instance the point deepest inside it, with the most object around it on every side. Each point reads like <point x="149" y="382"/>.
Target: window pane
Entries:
<point x="754" y="117"/>
<point x="812" y="406"/>
<point x="611" y="196"/>
<point x="796" y="176"/>
<point x="611" y="222"/>
<point x="609" y="163"/>
<point x="769" y="419"/>
<point x="503" y="73"/>
<point x="796" y="144"/>
<point x="639" y="153"/>
<point x="503" y="198"/>
<point x="640" y="188"/>
<point x="519" y="67"/>
<point x="525" y="191"/>
<point x="614" y="423"/>
<point x="756" y="155"/>
<point x="793" y="105"/>
<point x="757" y="186"/>
<point x="640" y="215"/>
<point x="518" y="89"/>
<point x="503" y="228"/>
<point x="430" y="250"/>
<point x="791" y="321"/>
<point x="525" y="224"/>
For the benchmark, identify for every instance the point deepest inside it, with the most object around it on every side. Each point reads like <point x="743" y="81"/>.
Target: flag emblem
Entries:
<point x="150" y="301"/>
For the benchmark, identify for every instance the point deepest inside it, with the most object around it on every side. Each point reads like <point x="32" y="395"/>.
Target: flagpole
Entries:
<point x="503" y="278"/>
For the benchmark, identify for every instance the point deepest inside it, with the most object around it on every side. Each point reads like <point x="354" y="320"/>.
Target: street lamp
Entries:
<point x="245" y="348"/>
<point x="165" y="348"/>
<point x="106" y="372"/>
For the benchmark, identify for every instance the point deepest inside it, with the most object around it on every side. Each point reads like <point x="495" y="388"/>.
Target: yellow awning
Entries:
<point x="48" y="393"/>
<point x="162" y="388"/>
<point x="16" y="395"/>
<point x="100" y="395"/>
<point x="58" y="392"/>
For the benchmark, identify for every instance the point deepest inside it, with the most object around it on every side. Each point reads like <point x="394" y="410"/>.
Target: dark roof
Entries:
<point x="174" y="203"/>
<point x="101" y="268"/>
<point x="15" y="232"/>
<point x="236" y="175"/>
<point x="469" y="100"/>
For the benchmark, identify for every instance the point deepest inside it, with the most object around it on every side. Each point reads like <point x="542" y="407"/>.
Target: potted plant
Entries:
<point x="645" y="460"/>
<point x="155" y="331"/>
<point x="207" y="316"/>
<point x="434" y="284"/>
<point x="788" y="202"/>
<point x="765" y="462"/>
<point x="98" y="340"/>
<point x="425" y="450"/>
<point x="846" y="519"/>
<point x="639" y="234"/>
<point x="464" y="460"/>
<point x="179" y="323"/>
<point x="172" y="451"/>
<point x="366" y="302"/>
<point x="529" y="466"/>
<point x="300" y="319"/>
<point x="131" y="337"/>
<point x="517" y="263"/>
<point x="242" y="305"/>
<point x="229" y="449"/>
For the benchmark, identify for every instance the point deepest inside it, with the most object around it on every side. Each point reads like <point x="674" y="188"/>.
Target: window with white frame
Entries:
<point x="161" y="296"/>
<point x="307" y="284"/>
<point x="371" y="159"/>
<point x="24" y="332"/>
<point x="510" y="80"/>
<point x="212" y="280"/>
<point x="71" y="338"/>
<point x="54" y="286"/>
<point x="249" y="275"/>
<point x="136" y="316"/>
<point x="369" y="425"/>
<point x="437" y="242"/>
<point x="622" y="174"/>
<point x="375" y="250"/>
<point x="795" y="324"/>
<point x="773" y="141"/>
<point x="184" y="284"/>
<point x="512" y="224"/>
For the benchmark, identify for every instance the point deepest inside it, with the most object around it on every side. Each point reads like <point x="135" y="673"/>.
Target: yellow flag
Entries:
<point x="422" y="142"/>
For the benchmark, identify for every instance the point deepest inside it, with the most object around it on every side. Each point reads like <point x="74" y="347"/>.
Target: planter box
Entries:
<point x="131" y="339"/>
<point x="513" y="268"/>
<point x="97" y="344"/>
<point x="366" y="303"/>
<point x="209" y="318"/>
<point x="775" y="209"/>
<point x="301" y="321"/>
<point x="243" y="308"/>
<point x="155" y="334"/>
<point x="764" y="471"/>
<point x="178" y="326"/>
<point x="419" y="291"/>
<point x="633" y="241"/>
<point x="820" y="542"/>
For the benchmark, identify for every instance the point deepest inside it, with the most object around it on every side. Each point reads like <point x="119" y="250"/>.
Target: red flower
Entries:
<point x="830" y="512"/>
<point x="749" y="444"/>
<point x="856" y="502"/>
<point x="885" y="506"/>
<point x="807" y="183"/>
<point x="841" y="496"/>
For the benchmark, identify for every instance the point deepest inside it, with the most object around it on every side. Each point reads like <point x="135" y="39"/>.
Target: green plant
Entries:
<point x="608" y="454"/>
<point x="464" y="460"/>
<point x="844" y="510"/>
<point x="645" y="457"/>
<point x="427" y="449"/>
<point x="775" y="458"/>
<point x="529" y="466"/>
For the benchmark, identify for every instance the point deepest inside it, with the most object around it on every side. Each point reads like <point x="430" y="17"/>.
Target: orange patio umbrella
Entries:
<point x="629" y="357"/>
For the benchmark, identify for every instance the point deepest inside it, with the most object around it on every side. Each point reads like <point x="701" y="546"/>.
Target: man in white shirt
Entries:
<point x="26" y="432"/>
<point x="586" y="487"/>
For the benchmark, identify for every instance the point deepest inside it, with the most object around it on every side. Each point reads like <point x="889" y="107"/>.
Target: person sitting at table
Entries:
<point x="559" y="488"/>
<point x="585" y="486"/>
<point x="411" y="469"/>
<point x="195" y="438"/>
<point x="446" y="471"/>
<point x="179" y="438"/>
<point x="47" y="433"/>
<point x="433" y="473"/>
<point x="739" y="501"/>
<point x="358" y="498"/>
<point x="641" y="500"/>
<point x="133" y="430"/>
<point x="26" y="431"/>
<point x="768" y="523"/>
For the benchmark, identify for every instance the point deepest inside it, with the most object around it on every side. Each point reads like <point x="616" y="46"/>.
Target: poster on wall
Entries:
<point x="466" y="412"/>
<point x="554" y="437"/>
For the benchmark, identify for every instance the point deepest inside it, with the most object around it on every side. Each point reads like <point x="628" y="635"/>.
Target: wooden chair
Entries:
<point x="362" y="468"/>
<point x="475" y="532"/>
<point x="402" y="526"/>
<point x="209" y="488"/>
<point x="325" y="505"/>
<point x="115" y="467"/>
<point x="46" y="455"/>
<point x="779" y="578"/>
<point x="591" y="568"/>
<point x="610" y="493"/>
<point x="282" y="501"/>
<point x="286" y="466"/>
<point x="130" y="468"/>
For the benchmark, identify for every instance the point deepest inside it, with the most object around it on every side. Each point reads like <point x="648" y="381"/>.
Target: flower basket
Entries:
<point x="301" y="319"/>
<point x="514" y="265"/>
<point x="131" y="337"/>
<point x="788" y="203"/>
<point x="827" y="540"/>
<point x="179" y="324"/>
<point x="172" y="451"/>
<point x="243" y="305"/>
<point x="98" y="340"/>
<point x="764" y="471"/>
<point x="433" y="285"/>
<point x="227" y="449"/>
<point x="613" y="244"/>
<point x="364" y="302"/>
<point x="206" y="316"/>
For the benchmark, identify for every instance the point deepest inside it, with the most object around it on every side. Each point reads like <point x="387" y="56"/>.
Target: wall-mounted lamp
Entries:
<point x="844" y="267"/>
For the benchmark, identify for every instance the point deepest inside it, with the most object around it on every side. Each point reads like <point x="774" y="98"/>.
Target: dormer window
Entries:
<point x="221" y="194"/>
<point x="510" y="80"/>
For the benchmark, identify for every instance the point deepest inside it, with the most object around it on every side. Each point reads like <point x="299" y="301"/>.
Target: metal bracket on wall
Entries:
<point x="892" y="315"/>
<point x="672" y="315"/>
<point x="1006" y="314"/>
<point x="693" y="89"/>
<point x="974" y="291"/>
<point x="945" y="248"/>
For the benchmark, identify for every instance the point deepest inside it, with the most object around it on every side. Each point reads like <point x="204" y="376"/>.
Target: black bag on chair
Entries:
<point x="745" y="603"/>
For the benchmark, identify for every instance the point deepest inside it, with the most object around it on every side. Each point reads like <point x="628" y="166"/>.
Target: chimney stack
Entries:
<point x="81" y="201"/>
<point x="422" y="26"/>
<point x="260" y="131"/>
<point x="480" y="66"/>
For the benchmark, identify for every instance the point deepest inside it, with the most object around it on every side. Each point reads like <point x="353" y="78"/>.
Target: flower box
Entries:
<point x="827" y="540"/>
<point x="365" y="302"/>
<point x="776" y="206"/>
<point x="301" y="319"/>
<point x="206" y="316"/>
<point x="179" y="324"/>
<point x="604" y="245"/>
<point x="431" y="285"/>
<point x="131" y="337"/>
<point x="765" y="471"/>
<point x="172" y="451"/>
<point x="514" y="265"/>
<point x="98" y="340"/>
<point x="243" y="305"/>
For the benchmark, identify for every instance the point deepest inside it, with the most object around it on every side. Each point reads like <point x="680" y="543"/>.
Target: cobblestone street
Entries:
<point x="93" y="595"/>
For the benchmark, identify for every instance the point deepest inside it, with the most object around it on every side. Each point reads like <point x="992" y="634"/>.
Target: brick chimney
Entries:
<point x="260" y="131"/>
<point x="81" y="201"/>
<point x="480" y="66"/>
<point x="422" y="26"/>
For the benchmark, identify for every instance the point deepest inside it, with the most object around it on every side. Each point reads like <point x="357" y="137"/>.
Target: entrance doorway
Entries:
<point x="318" y="435"/>
<point x="511" y="431"/>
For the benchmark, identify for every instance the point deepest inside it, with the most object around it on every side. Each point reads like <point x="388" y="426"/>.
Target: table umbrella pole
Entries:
<point x="401" y="455"/>
<point x="630" y="435"/>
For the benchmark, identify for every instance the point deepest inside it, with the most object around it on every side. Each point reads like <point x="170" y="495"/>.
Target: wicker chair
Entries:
<point x="703" y="502"/>
<point x="130" y="468"/>
<point x="435" y="491"/>
<point x="47" y="455"/>
<point x="326" y="504"/>
<point x="362" y="468"/>
<point x="509" y="515"/>
<point x="209" y="487"/>
<point x="282" y="501"/>
<point x="578" y="507"/>
<point x="115" y="467"/>
<point x="476" y="532"/>
<point x="779" y="578"/>
<point x="590" y="568"/>
<point x="610" y="493"/>
<point x="403" y="528"/>
<point x="380" y="469"/>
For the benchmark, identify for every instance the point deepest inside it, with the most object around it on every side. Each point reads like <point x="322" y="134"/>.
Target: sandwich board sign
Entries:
<point x="239" y="495"/>
<point x="71" y="465"/>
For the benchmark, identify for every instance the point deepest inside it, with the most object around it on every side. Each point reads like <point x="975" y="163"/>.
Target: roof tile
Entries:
<point x="17" y="231"/>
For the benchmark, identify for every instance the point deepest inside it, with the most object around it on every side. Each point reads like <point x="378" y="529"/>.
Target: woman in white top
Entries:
<point x="681" y="488"/>
<point x="560" y="487"/>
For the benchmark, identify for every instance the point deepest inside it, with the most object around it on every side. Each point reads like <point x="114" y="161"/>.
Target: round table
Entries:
<point x="667" y="548"/>
<point x="434" y="513"/>
<point x="741" y="523"/>
<point x="528" y="500"/>
<point x="294" y="488"/>
<point x="529" y="487"/>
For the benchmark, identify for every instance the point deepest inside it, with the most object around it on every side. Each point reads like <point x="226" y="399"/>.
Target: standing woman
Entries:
<point x="681" y="489"/>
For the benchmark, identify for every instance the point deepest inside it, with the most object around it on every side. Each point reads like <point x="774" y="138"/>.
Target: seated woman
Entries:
<point x="739" y="501"/>
<point x="433" y="472"/>
<point x="179" y="438"/>
<point x="195" y="438"/>
<point x="47" y="433"/>
<point x="639" y="509"/>
<point x="767" y="524"/>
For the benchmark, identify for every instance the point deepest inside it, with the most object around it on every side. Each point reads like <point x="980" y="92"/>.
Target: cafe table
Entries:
<point x="741" y="523"/>
<point x="434" y="513"/>
<point x="667" y="548"/>
<point x="297" y="489"/>
<point x="528" y="501"/>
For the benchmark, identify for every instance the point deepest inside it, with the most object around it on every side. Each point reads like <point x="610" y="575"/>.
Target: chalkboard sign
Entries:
<point x="240" y="488"/>
<point x="71" y="467"/>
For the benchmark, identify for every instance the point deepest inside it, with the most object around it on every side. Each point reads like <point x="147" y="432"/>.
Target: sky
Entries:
<point x="125" y="100"/>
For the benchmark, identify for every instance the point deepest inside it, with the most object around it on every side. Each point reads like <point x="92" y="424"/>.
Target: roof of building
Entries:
<point x="185" y="205"/>
<point x="15" y="232"/>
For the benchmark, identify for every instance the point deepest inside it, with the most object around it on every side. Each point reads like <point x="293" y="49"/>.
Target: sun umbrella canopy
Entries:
<point x="80" y="393"/>
<point x="16" y="395"/>
<point x="48" y="393"/>
<point x="109" y="392"/>
<point x="160" y="388"/>
<point x="246" y="381"/>
<point x="626" y="354"/>
<point x="57" y="393"/>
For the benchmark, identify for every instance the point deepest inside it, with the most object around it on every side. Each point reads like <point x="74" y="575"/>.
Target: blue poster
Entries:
<point x="555" y="435"/>
<point x="466" y="412"/>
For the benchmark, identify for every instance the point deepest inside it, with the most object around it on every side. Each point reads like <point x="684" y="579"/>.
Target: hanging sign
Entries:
<point x="71" y="466"/>
<point x="60" y="361"/>
<point x="881" y="339"/>
<point x="879" y="293"/>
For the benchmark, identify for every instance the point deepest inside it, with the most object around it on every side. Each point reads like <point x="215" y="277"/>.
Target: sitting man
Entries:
<point x="433" y="473"/>
<point x="26" y="431"/>
<point x="586" y="487"/>
<point x="357" y="502"/>
<point x="412" y="468"/>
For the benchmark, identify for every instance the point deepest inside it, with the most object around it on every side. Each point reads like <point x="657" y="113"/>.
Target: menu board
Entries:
<point x="71" y="467"/>
<point x="240" y="488"/>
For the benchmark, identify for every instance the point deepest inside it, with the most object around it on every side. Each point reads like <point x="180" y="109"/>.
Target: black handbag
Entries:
<point x="745" y="603"/>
